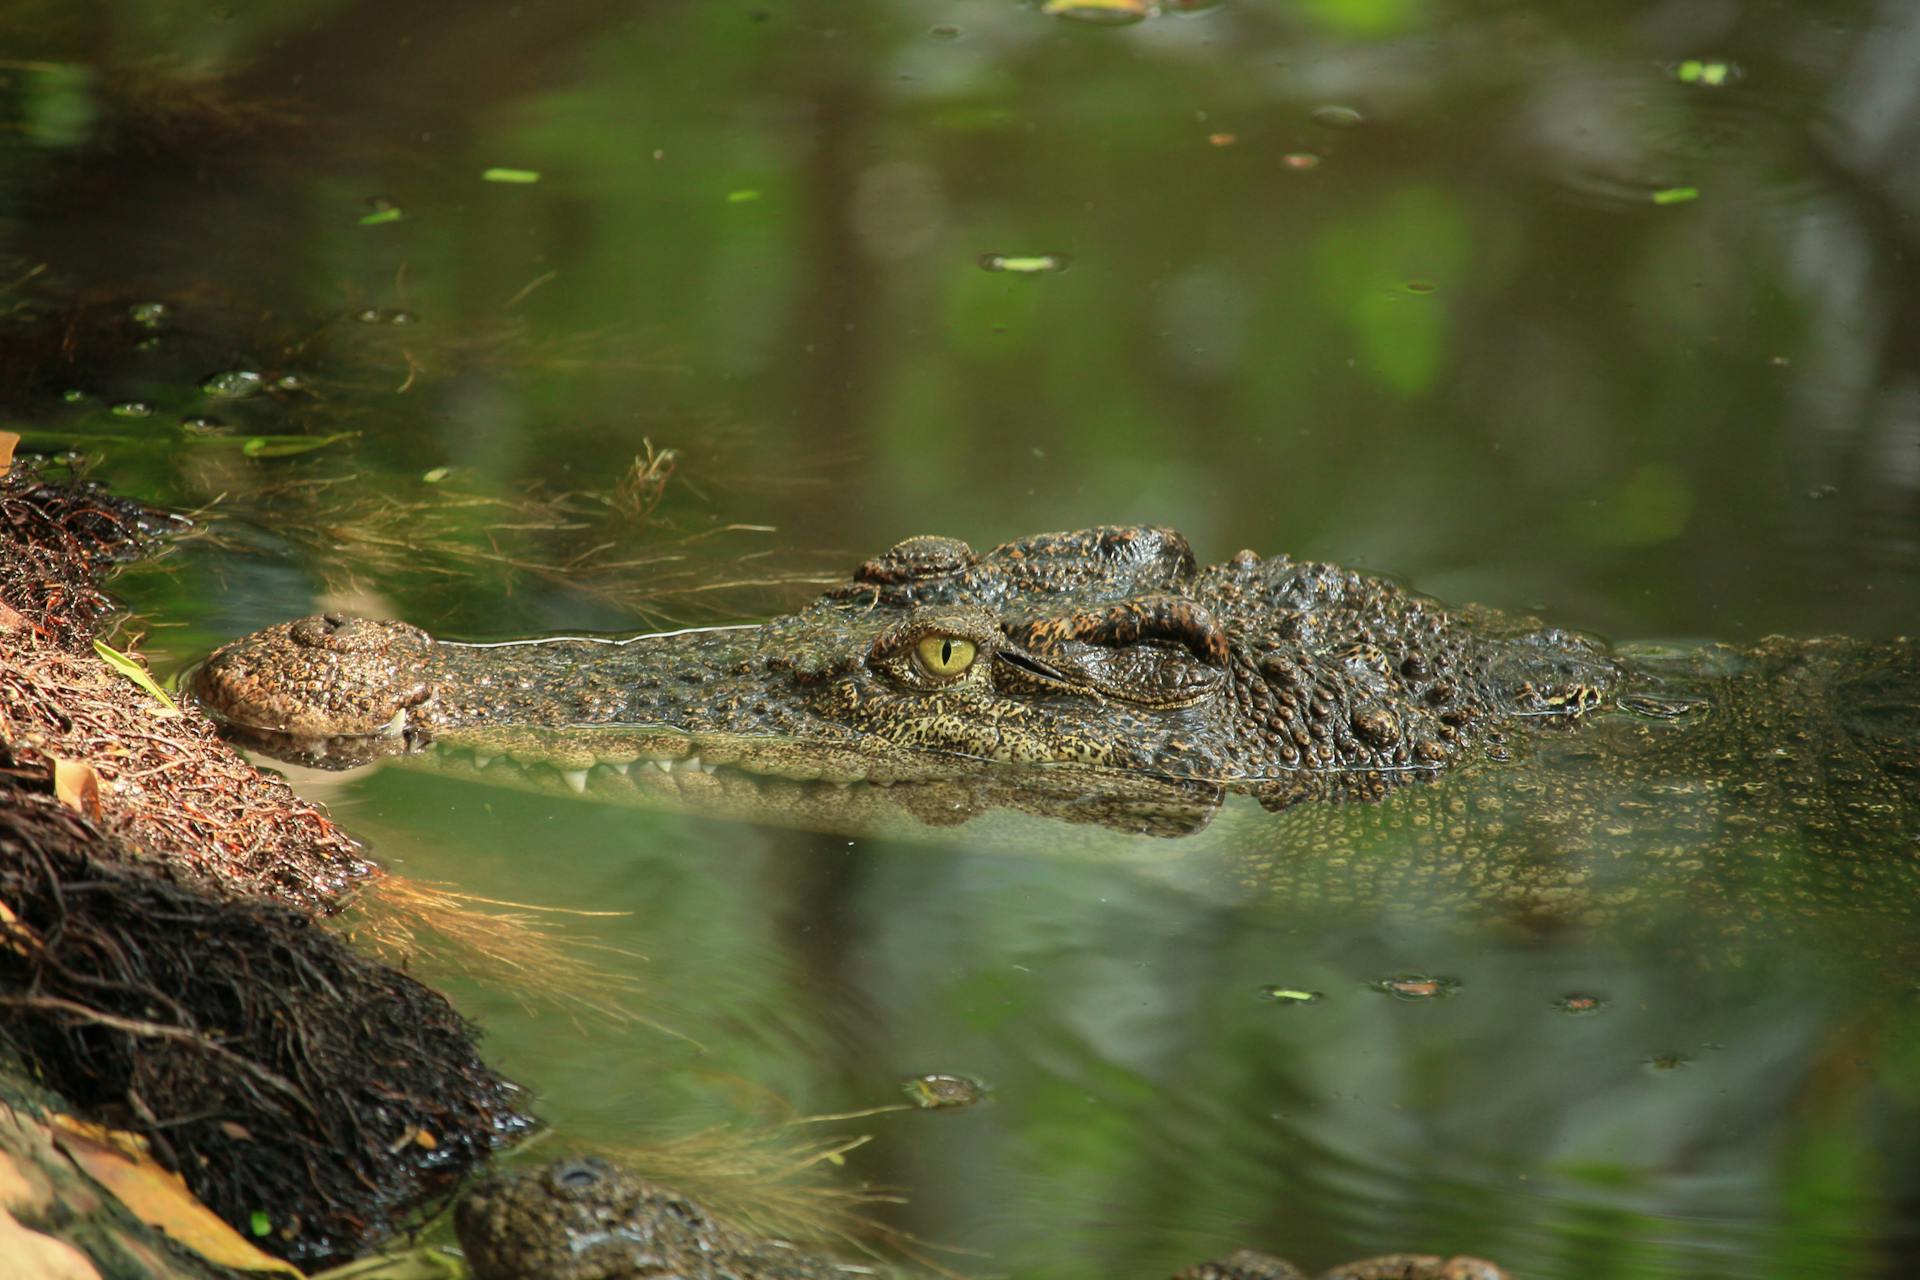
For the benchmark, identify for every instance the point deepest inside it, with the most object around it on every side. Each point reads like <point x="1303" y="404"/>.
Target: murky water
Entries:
<point x="1608" y="315"/>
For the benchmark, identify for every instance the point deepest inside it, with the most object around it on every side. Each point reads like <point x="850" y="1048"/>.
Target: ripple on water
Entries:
<point x="1634" y="135"/>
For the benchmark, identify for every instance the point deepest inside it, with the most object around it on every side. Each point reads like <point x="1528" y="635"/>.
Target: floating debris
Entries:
<point x="1222" y="139"/>
<point x="1711" y="75"/>
<point x="1023" y="264"/>
<point x="1301" y="160"/>
<point x="73" y="395"/>
<point x="1578" y="1005"/>
<point x="1417" y="986"/>
<point x="287" y="446"/>
<point x="939" y="1091"/>
<point x="1113" y="13"/>
<point x="379" y="216"/>
<point x="945" y="31"/>
<point x="1668" y="1061"/>
<point x="1421" y="286"/>
<point x="130" y="409"/>
<point x="1336" y="117"/>
<point x="149" y="315"/>
<point x="1675" y="195"/>
<point x="1290" y="995"/>
<point x="519" y="177"/>
<point x="234" y="384"/>
<point x="745" y="195"/>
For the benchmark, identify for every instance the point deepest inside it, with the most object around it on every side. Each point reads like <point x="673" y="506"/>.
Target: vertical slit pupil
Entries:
<point x="946" y="653"/>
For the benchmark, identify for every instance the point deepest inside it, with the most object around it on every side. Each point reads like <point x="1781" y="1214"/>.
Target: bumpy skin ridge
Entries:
<point x="1107" y="647"/>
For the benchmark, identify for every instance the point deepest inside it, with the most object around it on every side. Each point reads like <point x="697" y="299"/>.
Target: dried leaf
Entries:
<point x="138" y="674"/>
<point x="77" y="786"/>
<point x="8" y="439"/>
<point x="32" y="1256"/>
<point x="158" y="1198"/>
<point x="11" y="619"/>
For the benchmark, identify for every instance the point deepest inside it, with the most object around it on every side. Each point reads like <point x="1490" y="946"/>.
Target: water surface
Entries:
<point x="1607" y="315"/>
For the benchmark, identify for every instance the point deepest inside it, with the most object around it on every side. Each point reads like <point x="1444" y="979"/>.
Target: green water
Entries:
<point x="1509" y="300"/>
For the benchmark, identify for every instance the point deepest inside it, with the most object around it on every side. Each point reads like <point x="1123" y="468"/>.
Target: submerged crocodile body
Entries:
<point x="1104" y="678"/>
<point x="587" y="1219"/>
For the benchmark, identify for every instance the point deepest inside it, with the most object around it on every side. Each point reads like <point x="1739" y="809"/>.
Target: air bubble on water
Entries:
<point x="1417" y="986"/>
<point x="1334" y="116"/>
<point x="233" y="384"/>
<point x="131" y="409"/>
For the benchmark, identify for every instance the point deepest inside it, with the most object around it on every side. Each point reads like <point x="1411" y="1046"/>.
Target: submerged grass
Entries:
<point x="776" y="1181"/>
<point x="517" y="947"/>
<point x="361" y="537"/>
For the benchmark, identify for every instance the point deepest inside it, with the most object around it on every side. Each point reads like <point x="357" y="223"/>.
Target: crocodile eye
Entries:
<point x="944" y="657"/>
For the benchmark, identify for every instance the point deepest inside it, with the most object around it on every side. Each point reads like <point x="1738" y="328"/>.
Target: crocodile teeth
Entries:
<point x="481" y="762"/>
<point x="576" y="779"/>
<point x="621" y="767"/>
<point x="664" y="766"/>
<point x="692" y="762"/>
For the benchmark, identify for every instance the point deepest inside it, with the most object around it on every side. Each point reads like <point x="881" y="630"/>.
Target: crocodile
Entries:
<point x="1108" y="648"/>
<point x="586" y="1218"/>
<point x="1393" y="748"/>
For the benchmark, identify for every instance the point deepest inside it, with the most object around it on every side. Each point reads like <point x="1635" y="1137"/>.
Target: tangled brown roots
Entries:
<point x="58" y="539"/>
<point x="159" y="962"/>
<point x="273" y="1068"/>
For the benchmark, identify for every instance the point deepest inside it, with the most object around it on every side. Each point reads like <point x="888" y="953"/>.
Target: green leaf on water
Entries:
<point x="287" y="446"/>
<point x="745" y="195"/>
<point x="379" y="216"/>
<point x="138" y="674"/>
<point x="1676" y="195"/>
<point x="519" y="176"/>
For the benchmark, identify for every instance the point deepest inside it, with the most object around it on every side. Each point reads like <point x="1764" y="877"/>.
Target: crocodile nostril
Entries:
<point x="334" y="620"/>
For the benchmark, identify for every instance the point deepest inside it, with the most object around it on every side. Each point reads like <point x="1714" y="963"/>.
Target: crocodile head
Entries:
<point x="1107" y="649"/>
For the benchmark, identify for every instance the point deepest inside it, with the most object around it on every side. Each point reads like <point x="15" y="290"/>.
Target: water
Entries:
<point x="1496" y="298"/>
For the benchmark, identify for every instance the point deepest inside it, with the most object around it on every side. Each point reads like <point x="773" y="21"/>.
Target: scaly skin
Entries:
<point x="1106" y="648"/>
<point x="586" y="1219"/>
<point x="1117" y="686"/>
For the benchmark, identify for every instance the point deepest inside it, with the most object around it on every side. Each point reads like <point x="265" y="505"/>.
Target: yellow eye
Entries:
<point x="944" y="657"/>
